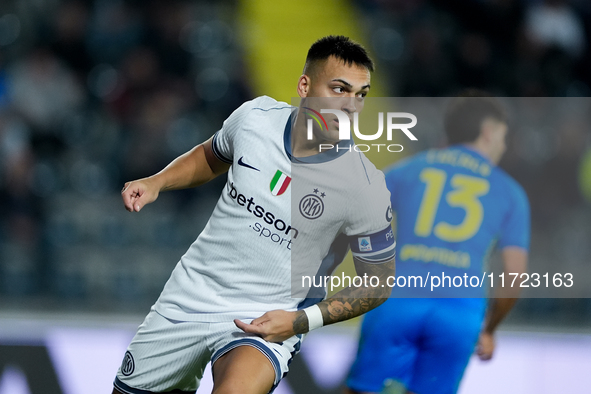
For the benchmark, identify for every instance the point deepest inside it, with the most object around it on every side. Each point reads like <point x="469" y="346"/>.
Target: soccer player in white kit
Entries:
<point x="233" y="298"/>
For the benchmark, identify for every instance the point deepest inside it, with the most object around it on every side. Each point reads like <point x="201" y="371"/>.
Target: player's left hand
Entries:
<point x="273" y="326"/>
<point x="485" y="346"/>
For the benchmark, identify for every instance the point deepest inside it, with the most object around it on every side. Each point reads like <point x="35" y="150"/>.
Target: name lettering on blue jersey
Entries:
<point x="459" y="159"/>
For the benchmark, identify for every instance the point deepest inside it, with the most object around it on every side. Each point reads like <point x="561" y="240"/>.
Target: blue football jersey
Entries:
<point x="452" y="206"/>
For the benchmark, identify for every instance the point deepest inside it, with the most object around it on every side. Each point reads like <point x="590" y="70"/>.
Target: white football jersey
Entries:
<point x="278" y="219"/>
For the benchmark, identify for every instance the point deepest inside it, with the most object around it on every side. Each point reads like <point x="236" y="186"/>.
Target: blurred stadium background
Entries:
<point x="94" y="93"/>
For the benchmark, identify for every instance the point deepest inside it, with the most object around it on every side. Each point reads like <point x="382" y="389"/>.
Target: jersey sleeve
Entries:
<point x="223" y="139"/>
<point x="516" y="225"/>
<point x="370" y="232"/>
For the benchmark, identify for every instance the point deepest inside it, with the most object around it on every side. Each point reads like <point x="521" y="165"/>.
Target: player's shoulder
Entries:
<point x="266" y="103"/>
<point x="261" y="104"/>
<point x="363" y="177"/>
<point x="266" y="112"/>
<point x="405" y="166"/>
<point x="408" y="161"/>
<point x="508" y="183"/>
<point x="366" y="194"/>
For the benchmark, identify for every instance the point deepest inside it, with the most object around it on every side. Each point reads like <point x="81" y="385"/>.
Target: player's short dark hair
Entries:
<point x="342" y="48"/>
<point x="467" y="111"/>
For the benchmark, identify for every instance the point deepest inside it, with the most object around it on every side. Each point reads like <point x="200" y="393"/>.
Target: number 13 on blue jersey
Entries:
<point x="465" y="193"/>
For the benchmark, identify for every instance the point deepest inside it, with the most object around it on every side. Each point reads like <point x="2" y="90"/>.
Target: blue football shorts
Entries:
<point x="424" y="344"/>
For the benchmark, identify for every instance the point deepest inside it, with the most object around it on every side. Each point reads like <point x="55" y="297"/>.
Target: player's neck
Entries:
<point x="484" y="149"/>
<point x="301" y="146"/>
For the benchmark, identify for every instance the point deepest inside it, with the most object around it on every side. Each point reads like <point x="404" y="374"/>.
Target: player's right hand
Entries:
<point x="485" y="346"/>
<point x="137" y="194"/>
<point x="273" y="326"/>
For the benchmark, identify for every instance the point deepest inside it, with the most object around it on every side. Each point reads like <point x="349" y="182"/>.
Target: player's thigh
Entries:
<point x="446" y="349"/>
<point x="164" y="355"/>
<point x="249" y="361"/>
<point x="387" y="345"/>
<point x="243" y="370"/>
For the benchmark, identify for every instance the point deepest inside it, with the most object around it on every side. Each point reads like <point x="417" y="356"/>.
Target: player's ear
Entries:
<point x="486" y="130"/>
<point x="303" y="85"/>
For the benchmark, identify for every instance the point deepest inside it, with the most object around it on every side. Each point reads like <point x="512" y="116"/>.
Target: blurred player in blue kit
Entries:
<point x="229" y="300"/>
<point x="452" y="206"/>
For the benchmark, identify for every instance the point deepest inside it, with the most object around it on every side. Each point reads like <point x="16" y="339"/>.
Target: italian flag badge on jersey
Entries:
<point x="279" y="183"/>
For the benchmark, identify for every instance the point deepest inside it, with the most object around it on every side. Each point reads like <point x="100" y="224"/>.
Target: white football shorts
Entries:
<point x="170" y="356"/>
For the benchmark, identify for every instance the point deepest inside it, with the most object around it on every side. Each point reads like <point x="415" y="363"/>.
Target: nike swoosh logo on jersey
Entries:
<point x="243" y="164"/>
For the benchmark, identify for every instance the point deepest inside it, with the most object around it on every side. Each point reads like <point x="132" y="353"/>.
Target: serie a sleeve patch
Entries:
<point x="374" y="248"/>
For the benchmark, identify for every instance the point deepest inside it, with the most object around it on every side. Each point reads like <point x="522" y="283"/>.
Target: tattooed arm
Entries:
<point x="278" y="325"/>
<point x="353" y="301"/>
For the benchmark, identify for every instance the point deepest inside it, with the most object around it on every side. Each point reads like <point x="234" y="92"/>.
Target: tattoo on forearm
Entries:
<point x="355" y="301"/>
<point x="300" y="324"/>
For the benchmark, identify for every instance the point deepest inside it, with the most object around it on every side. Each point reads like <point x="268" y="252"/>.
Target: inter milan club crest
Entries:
<point x="128" y="365"/>
<point x="311" y="205"/>
<point x="279" y="183"/>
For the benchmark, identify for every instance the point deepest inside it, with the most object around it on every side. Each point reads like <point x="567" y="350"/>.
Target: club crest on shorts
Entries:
<point x="312" y="206"/>
<point x="279" y="183"/>
<point x="128" y="365"/>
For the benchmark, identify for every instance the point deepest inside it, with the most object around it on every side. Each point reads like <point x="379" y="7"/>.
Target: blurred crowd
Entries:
<point x="509" y="47"/>
<point x="97" y="92"/>
<point x="92" y="94"/>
